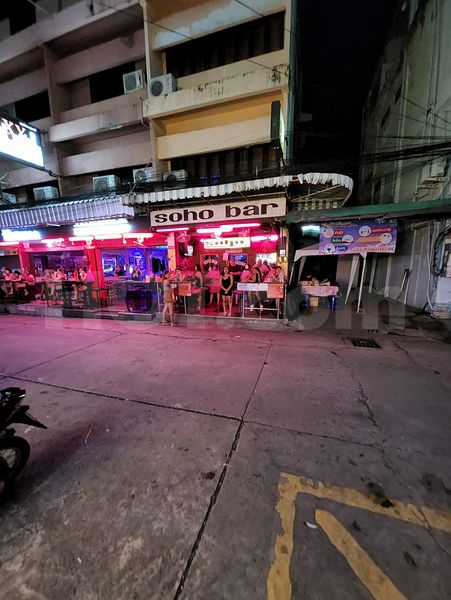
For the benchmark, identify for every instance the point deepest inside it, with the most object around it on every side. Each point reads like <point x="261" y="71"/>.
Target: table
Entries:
<point x="67" y="287"/>
<point x="322" y="291"/>
<point x="140" y="295"/>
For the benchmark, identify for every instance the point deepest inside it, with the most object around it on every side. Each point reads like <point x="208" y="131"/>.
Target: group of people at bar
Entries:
<point x="216" y="287"/>
<point x="27" y="286"/>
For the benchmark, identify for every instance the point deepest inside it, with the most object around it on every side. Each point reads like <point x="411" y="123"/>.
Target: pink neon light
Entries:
<point x="80" y="239"/>
<point x="244" y="225"/>
<point x="53" y="240"/>
<point x="172" y="229"/>
<point x="109" y="236"/>
<point x="9" y="243"/>
<point x="227" y="227"/>
<point x="222" y="229"/>
<point x="260" y="238"/>
<point x="138" y="235"/>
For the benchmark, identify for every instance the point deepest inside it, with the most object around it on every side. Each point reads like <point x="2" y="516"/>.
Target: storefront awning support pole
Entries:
<point x="361" y="281"/>
<point x="354" y="265"/>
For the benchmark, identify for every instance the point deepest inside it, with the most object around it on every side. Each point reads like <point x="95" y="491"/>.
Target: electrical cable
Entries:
<point x="183" y="35"/>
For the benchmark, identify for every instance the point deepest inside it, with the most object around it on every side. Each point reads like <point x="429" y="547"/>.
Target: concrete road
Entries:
<point x="207" y="463"/>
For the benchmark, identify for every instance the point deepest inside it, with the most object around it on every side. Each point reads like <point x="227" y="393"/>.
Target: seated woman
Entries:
<point x="197" y="286"/>
<point x="255" y="297"/>
<point x="21" y="285"/>
<point x="8" y="277"/>
<point x="57" y="277"/>
<point x="80" y="288"/>
<point x="137" y="274"/>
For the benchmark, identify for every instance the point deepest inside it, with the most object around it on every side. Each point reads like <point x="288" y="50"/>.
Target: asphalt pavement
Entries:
<point x="213" y="462"/>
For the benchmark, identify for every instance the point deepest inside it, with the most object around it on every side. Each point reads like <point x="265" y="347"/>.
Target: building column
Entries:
<point x="59" y="101"/>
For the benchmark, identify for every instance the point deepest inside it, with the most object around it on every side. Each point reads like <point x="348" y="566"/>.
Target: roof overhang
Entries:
<point x="380" y="211"/>
<point x="90" y="209"/>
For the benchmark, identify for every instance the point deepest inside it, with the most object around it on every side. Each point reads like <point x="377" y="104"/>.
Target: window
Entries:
<point x="22" y="14"/>
<point x="108" y="84"/>
<point x="241" y="162"/>
<point x="33" y="108"/>
<point x="224" y="47"/>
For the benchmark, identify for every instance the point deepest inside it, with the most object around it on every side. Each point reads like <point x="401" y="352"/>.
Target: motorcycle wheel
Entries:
<point x="14" y="453"/>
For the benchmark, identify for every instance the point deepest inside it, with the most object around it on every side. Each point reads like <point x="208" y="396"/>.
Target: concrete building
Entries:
<point x="61" y="69"/>
<point x="214" y="70"/>
<point x="406" y="155"/>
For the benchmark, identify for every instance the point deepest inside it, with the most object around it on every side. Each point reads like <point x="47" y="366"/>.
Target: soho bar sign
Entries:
<point x="214" y="213"/>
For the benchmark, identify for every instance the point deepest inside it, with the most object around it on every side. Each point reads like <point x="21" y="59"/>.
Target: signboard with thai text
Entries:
<point x="358" y="237"/>
<point x="20" y="141"/>
<point x="219" y="213"/>
<point x="230" y="242"/>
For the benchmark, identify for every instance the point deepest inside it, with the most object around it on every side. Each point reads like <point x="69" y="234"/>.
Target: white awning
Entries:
<point x="208" y="191"/>
<point x="90" y="209"/>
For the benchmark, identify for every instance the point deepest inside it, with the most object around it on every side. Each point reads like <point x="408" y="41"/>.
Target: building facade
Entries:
<point x="64" y="74"/>
<point x="141" y="103"/>
<point x="406" y="154"/>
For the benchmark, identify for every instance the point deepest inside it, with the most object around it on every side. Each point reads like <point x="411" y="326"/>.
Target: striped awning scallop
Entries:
<point x="90" y="209"/>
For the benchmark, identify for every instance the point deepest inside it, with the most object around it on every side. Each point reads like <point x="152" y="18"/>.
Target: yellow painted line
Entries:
<point x="375" y="580"/>
<point x="278" y="583"/>
<point x="418" y="515"/>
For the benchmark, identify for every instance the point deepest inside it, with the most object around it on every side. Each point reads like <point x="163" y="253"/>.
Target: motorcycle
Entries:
<point x="14" y="450"/>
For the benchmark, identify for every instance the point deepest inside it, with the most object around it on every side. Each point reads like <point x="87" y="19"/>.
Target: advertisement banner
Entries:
<point x="358" y="237"/>
<point x="20" y="141"/>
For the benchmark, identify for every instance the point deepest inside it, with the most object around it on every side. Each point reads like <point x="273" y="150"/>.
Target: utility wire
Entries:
<point x="36" y="5"/>
<point x="183" y="35"/>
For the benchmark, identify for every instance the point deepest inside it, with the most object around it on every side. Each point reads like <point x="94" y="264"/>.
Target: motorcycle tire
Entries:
<point x="14" y="453"/>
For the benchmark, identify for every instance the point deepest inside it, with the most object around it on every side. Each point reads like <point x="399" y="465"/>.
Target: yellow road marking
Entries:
<point x="418" y="515"/>
<point x="278" y="581"/>
<point x="360" y="562"/>
<point x="278" y="584"/>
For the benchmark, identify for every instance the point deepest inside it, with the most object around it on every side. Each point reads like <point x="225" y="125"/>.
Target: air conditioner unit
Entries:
<point x="163" y="85"/>
<point x="105" y="183"/>
<point x="133" y="81"/>
<point x="434" y="172"/>
<point x="45" y="193"/>
<point x="172" y="177"/>
<point x="8" y="198"/>
<point x="144" y="175"/>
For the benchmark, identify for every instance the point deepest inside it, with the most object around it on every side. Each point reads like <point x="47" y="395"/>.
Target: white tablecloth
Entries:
<point x="320" y="290"/>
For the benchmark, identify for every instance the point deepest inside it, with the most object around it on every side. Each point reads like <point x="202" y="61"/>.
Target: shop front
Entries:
<point x="246" y="239"/>
<point x="87" y="266"/>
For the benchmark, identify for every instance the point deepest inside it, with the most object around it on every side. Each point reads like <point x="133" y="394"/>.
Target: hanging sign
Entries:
<point x="218" y="213"/>
<point x="20" y="141"/>
<point x="358" y="237"/>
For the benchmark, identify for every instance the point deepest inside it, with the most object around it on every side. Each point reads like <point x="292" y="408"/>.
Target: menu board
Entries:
<point x="184" y="288"/>
<point x="275" y="290"/>
<point x="358" y="237"/>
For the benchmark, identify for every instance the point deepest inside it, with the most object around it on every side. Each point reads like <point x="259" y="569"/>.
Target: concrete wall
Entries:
<point x="183" y="121"/>
<point x="413" y="104"/>
<point x="222" y="137"/>
<point x="209" y="17"/>
<point x="99" y="160"/>
<point x="101" y="57"/>
<point x="58" y="24"/>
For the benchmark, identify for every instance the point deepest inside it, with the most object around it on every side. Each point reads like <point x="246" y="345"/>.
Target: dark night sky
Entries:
<point x="341" y="41"/>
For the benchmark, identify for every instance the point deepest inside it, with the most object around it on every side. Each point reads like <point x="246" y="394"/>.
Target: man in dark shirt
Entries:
<point x="235" y="271"/>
